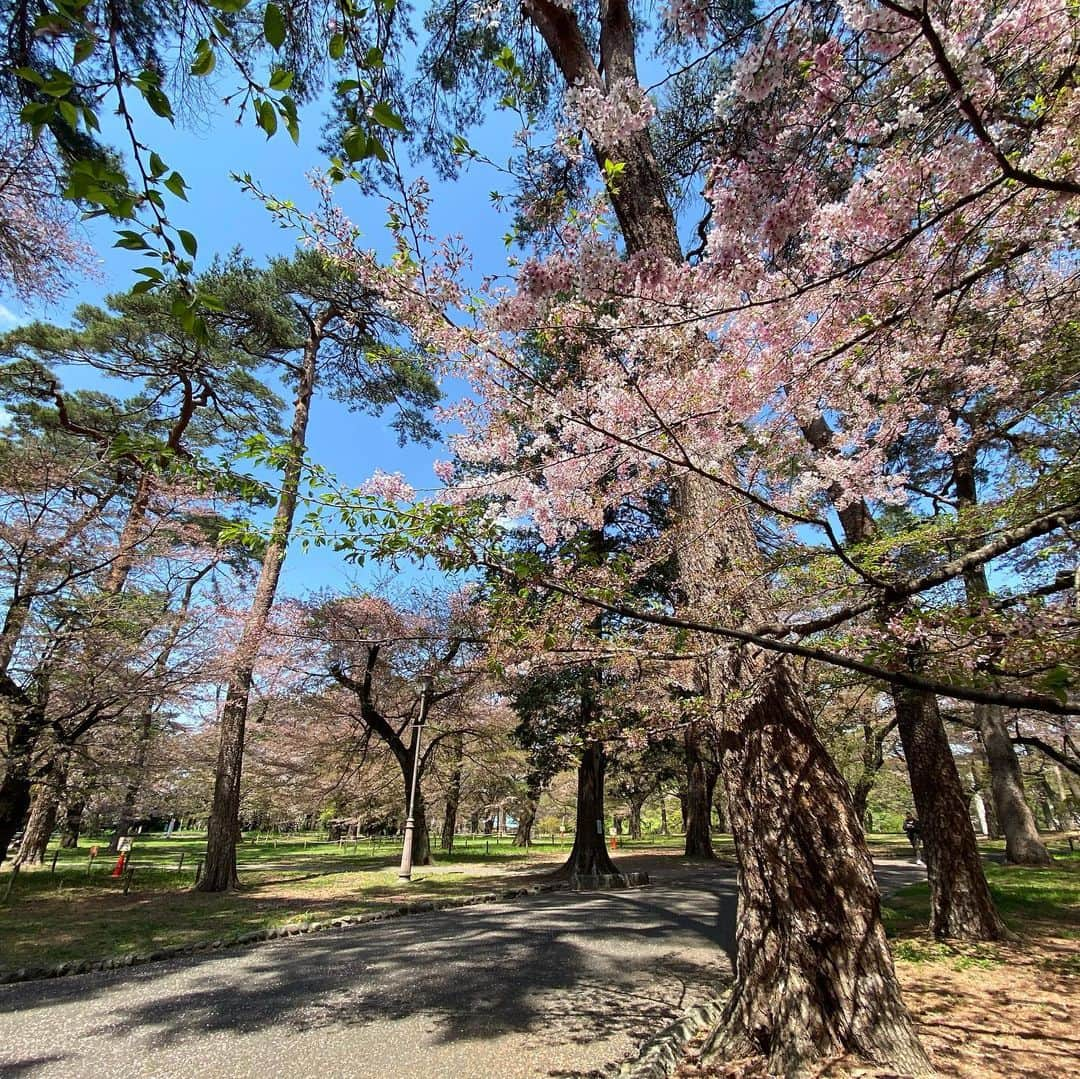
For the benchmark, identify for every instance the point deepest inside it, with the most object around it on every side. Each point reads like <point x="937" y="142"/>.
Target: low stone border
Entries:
<point x="660" y="1056"/>
<point x="423" y="906"/>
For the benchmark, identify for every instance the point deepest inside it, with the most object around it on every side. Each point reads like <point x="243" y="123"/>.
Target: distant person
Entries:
<point x="913" y="830"/>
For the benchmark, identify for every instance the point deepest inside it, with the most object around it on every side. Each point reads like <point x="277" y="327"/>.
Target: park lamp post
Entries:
<point x="405" y="872"/>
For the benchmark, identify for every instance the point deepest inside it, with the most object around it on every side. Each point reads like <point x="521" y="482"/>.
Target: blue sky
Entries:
<point x="222" y="216"/>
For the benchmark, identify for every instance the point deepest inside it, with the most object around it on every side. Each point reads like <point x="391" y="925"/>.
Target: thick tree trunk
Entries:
<point x="43" y="812"/>
<point x="1023" y="846"/>
<point x="698" y="796"/>
<point x="526" y="820"/>
<point x="527" y="817"/>
<point x="635" y="818"/>
<point x="589" y="856"/>
<point x="663" y="816"/>
<point x="72" y="826"/>
<point x="220" y="870"/>
<point x="16" y="783"/>
<point x="813" y="970"/>
<point x="453" y="795"/>
<point x="960" y="903"/>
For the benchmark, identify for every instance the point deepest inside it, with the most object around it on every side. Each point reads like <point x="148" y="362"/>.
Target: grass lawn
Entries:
<point x="71" y="914"/>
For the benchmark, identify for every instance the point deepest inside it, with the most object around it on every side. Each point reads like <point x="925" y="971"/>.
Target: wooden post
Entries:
<point x="198" y="870"/>
<point x="127" y="878"/>
<point x="180" y="866"/>
<point x="56" y="854"/>
<point x="90" y="860"/>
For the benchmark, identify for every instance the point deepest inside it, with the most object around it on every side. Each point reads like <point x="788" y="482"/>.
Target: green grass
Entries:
<point x="70" y="915"/>
<point x="1031" y="901"/>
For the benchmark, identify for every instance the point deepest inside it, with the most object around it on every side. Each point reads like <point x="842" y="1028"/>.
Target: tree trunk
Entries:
<point x="220" y="871"/>
<point x="698" y="797"/>
<point x="1022" y="843"/>
<point x="453" y="795"/>
<point x="406" y="755"/>
<point x="635" y="818"/>
<point x="684" y="808"/>
<point x="15" y="785"/>
<point x="813" y="970"/>
<point x="589" y="856"/>
<point x="72" y="826"/>
<point x="960" y="903"/>
<point x="873" y="757"/>
<point x="663" y="816"/>
<point x="43" y="811"/>
<point x="1023" y="846"/>
<point x="134" y="783"/>
<point x="527" y="817"/>
<point x="523" y="835"/>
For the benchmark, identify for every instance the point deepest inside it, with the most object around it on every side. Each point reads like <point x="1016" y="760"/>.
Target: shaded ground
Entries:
<point x="555" y="985"/>
<point x="984" y="1011"/>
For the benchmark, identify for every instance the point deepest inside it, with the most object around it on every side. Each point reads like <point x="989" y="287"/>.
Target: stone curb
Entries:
<point x="260" y="936"/>
<point x="660" y="1056"/>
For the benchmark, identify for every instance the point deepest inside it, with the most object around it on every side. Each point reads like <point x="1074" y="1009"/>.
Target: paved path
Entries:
<point x="552" y="985"/>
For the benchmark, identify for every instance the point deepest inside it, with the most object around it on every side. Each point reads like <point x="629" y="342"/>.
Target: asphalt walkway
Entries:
<point x="550" y="985"/>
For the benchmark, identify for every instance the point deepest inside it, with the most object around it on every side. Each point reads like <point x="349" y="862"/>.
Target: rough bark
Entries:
<point x="960" y="903"/>
<point x="16" y="783"/>
<point x="700" y="781"/>
<point x="453" y="794"/>
<point x="664" y="829"/>
<point x="814" y="972"/>
<point x="635" y="818"/>
<point x="589" y="856"/>
<point x="1022" y="843"/>
<point x="43" y="812"/>
<point x="219" y="874"/>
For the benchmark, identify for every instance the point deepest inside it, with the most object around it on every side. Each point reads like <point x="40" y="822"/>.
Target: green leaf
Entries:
<point x="376" y="148"/>
<point x="355" y="144"/>
<point x="175" y="183"/>
<point x="267" y="117"/>
<point x="158" y="167"/>
<point x="28" y="74"/>
<point x="70" y="114"/>
<point x="157" y="100"/>
<point x="231" y="6"/>
<point x="337" y="46"/>
<point x="205" y="59"/>
<point x="131" y="241"/>
<point x="191" y="245"/>
<point x="385" y="116"/>
<point x="281" y="79"/>
<point x="374" y="57"/>
<point x="274" y="26"/>
<point x="84" y="49"/>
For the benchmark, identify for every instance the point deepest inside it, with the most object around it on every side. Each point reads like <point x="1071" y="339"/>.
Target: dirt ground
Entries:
<point x="997" y="1011"/>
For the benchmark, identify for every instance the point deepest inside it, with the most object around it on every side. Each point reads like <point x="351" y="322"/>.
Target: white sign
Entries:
<point x="124" y="844"/>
